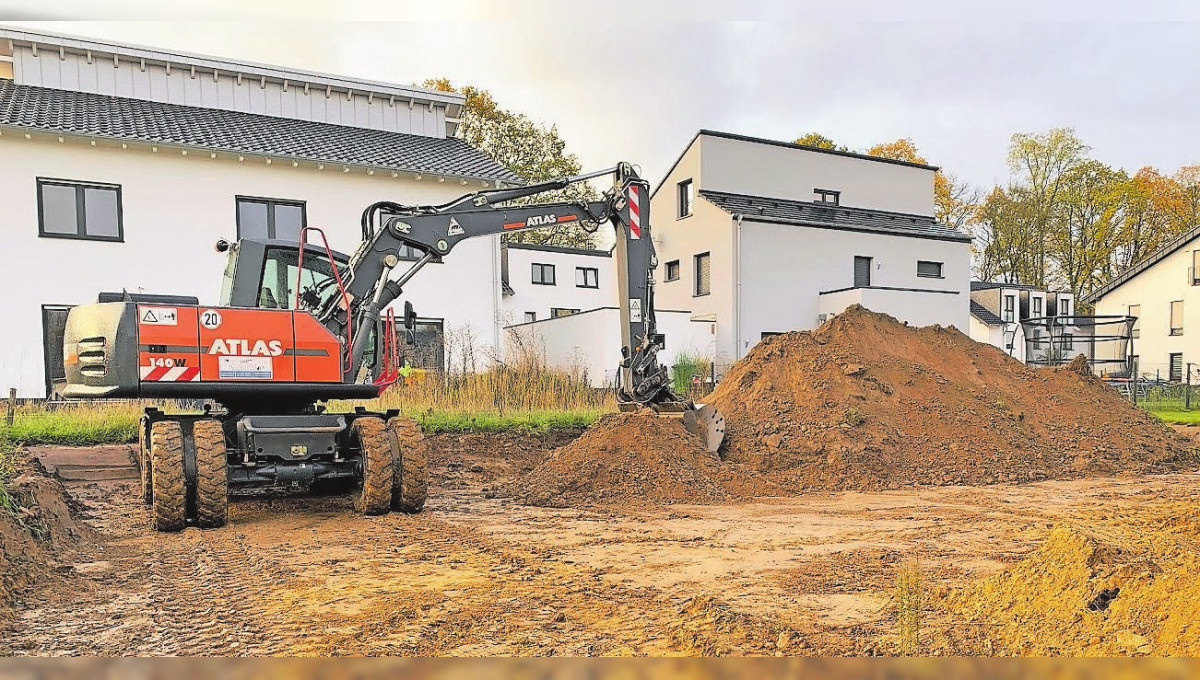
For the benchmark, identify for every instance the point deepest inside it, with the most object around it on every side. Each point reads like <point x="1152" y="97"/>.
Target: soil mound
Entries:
<point x="1078" y="595"/>
<point x="866" y="403"/>
<point x="634" y="457"/>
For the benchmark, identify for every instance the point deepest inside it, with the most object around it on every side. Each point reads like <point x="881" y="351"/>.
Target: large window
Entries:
<point x="929" y="270"/>
<point x="1136" y="312"/>
<point x="543" y="274"/>
<point x="686" y="196"/>
<point x="673" y="270"/>
<point x="1177" y="317"/>
<point x="1009" y="314"/>
<point x="862" y="272"/>
<point x="270" y="218"/>
<point x="587" y="277"/>
<point x="80" y="210"/>
<point x="703" y="274"/>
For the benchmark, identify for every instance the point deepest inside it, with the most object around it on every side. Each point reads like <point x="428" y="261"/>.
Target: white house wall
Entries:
<point x="179" y="84"/>
<point x="174" y="209"/>
<point x="758" y="169"/>
<point x="1154" y="289"/>
<point x="530" y="297"/>
<point x="590" y="343"/>
<point x="785" y="267"/>
<point x="708" y="229"/>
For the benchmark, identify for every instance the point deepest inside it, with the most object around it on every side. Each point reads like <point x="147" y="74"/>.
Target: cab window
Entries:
<point x="278" y="287"/>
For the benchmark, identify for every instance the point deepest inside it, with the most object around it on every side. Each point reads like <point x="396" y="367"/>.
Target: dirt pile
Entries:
<point x="634" y="457"/>
<point x="865" y="402"/>
<point x="36" y="527"/>
<point x="1080" y="595"/>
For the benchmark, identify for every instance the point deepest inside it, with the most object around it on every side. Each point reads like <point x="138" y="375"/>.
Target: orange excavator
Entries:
<point x="299" y="324"/>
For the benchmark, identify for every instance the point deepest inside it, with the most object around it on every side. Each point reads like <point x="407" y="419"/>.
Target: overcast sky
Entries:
<point x="622" y="90"/>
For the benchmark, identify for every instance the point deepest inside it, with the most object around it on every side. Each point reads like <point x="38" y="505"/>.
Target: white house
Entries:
<point x="543" y="282"/>
<point x="120" y="166"/>
<point x="1162" y="294"/>
<point x="759" y="237"/>
<point x="1031" y="324"/>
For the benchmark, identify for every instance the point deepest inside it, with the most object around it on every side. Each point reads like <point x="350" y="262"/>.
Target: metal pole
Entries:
<point x="12" y="405"/>
<point x="1187" y="389"/>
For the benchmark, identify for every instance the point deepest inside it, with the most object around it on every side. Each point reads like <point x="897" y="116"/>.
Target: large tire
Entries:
<point x="212" y="497"/>
<point x="166" y="472"/>
<point x="144" y="460"/>
<point x="410" y="484"/>
<point x="374" y="494"/>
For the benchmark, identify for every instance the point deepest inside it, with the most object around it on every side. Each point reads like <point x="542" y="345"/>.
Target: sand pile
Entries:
<point x="634" y="457"/>
<point x="1079" y="595"/>
<point x="865" y="402"/>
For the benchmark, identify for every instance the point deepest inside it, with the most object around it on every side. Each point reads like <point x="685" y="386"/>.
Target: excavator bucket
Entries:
<point x="707" y="422"/>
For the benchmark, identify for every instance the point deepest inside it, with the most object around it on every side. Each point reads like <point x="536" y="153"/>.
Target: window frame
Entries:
<point x="554" y="312"/>
<point x="870" y="261"/>
<point x="595" y="271"/>
<point x="80" y="188"/>
<point x="685" y="194"/>
<point x="270" y="203"/>
<point x="1041" y="306"/>
<point x="696" y="282"/>
<point x="539" y="266"/>
<point x="941" y="269"/>
<point x="1008" y="314"/>
<point x="530" y="317"/>
<point x="821" y="197"/>
<point x="667" y="278"/>
<point x="1173" y="330"/>
<point x="1171" y="366"/>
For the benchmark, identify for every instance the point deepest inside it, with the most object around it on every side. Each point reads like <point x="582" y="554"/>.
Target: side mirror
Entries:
<point x="410" y="317"/>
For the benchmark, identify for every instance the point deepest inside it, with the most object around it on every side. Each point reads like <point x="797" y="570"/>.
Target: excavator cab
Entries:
<point x="264" y="273"/>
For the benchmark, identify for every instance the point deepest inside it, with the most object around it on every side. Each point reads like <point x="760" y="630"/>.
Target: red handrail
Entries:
<point x="336" y="277"/>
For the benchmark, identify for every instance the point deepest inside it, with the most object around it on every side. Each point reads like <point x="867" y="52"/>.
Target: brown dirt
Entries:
<point x="634" y="458"/>
<point x="1133" y="591"/>
<point x="866" y="403"/>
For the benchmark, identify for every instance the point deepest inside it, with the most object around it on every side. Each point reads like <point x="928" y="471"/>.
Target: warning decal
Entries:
<point x="635" y="310"/>
<point x="244" y="368"/>
<point x="158" y="316"/>
<point x="455" y="229"/>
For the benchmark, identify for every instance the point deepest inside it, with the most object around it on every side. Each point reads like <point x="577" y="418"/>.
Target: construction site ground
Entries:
<point x="476" y="574"/>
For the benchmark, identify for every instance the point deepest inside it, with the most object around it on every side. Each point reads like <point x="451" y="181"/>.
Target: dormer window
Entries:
<point x="826" y="197"/>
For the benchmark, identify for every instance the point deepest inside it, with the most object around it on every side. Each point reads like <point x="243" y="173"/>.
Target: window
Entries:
<point x="862" y="272"/>
<point x="1136" y="312"/>
<point x="278" y="287"/>
<point x="1177" y="317"/>
<point x="826" y="196"/>
<point x="79" y="210"/>
<point x="587" y="277"/>
<point x="54" y="326"/>
<point x="1194" y="279"/>
<point x="703" y="274"/>
<point x="673" y="270"/>
<point x="543" y="274"/>
<point x="686" y="196"/>
<point x="427" y="348"/>
<point x="530" y="317"/>
<point x="1064" y="311"/>
<point x="929" y="270"/>
<point x="768" y="334"/>
<point x="1176" y="367"/>
<point x="1009" y="313"/>
<point x="556" y="312"/>
<point x="6" y="69"/>
<point x="1068" y="342"/>
<point x="1035" y="304"/>
<point x="270" y="218"/>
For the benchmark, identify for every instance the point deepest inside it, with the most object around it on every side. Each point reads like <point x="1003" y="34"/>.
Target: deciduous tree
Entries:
<point x="820" y="141"/>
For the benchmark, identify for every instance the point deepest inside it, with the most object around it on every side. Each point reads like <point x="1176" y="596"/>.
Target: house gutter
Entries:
<point x="737" y="277"/>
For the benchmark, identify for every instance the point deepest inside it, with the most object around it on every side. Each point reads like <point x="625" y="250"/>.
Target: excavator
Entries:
<point x="300" y="324"/>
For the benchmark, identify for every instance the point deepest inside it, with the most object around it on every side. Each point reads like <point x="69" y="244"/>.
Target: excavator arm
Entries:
<point x="434" y="231"/>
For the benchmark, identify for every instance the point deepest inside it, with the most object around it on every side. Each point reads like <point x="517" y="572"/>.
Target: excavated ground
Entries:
<point x="803" y="575"/>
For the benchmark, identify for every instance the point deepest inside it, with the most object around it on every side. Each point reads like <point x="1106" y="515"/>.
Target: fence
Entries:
<point x="1161" y="387"/>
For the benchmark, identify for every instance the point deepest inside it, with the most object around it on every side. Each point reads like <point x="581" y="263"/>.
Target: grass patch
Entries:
<point x="85" y="424"/>
<point x="7" y="470"/>
<point x="1178" y="417"/>
<point x="433" y="422"/>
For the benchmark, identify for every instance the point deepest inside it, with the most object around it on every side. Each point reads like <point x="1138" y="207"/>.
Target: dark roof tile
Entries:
<point x="97" y="115"/>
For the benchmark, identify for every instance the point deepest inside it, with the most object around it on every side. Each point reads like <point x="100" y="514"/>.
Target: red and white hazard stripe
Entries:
<point x="635" y="213"/>
<point x="170" y="373"/>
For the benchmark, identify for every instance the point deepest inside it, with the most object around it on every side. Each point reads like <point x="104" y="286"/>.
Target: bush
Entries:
<point x="687" y="366"/>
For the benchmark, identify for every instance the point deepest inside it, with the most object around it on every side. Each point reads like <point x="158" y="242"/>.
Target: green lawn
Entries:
<point x="1178" y="417"/>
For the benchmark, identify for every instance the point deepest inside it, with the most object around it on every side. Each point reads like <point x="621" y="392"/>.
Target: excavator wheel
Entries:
<point x="166" y="476"/>
<point x="144" y="460"/>
<point x="212" y="497"/>
<point x="410" y="485"/>
<point x="374" y="495"/>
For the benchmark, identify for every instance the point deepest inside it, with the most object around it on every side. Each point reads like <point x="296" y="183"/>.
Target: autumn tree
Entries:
<point x="1086" y="231"/>
<point x="527" y="149"/>
<point x="820" y="141"/>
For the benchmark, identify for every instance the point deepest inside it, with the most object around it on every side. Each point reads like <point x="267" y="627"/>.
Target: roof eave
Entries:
<point x="418" y="172"/>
